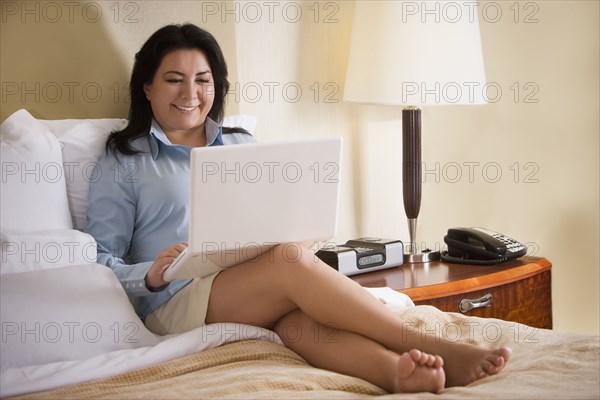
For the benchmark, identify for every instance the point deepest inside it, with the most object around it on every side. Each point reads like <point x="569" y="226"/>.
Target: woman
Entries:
<point x="138" y="206"/>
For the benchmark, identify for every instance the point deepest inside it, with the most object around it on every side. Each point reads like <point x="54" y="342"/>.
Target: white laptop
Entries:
<point x="247" y="198"/>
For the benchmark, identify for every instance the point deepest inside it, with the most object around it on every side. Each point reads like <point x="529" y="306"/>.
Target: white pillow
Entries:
<point x="30" y="251"/>
<point x="33" y="195"/>
<point x="66" y="314"/>
<point x="83" y="142"/>
<point x="248" y="122"/>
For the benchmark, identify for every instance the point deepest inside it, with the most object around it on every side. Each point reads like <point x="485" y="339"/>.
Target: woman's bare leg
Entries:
<point x="287" y="278"/>
<point x="355" y="355"/>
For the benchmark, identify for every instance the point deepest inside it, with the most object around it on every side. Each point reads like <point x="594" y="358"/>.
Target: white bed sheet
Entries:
<point x="15" y="381"/>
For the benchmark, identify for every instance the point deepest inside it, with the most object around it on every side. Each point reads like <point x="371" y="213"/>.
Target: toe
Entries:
<point x="423" y="359"/>
<point x="505" y="353"/>
<point x="491" y="369"/>
<point x="499" y="362"/>
<point x="480" y="373"/>
<point x="416" y="355"/>
<point x="430" y="360"/>
<point x="493" y="365"/>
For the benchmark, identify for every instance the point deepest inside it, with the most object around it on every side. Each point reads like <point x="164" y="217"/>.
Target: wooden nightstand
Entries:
<point x="519" y="290"/>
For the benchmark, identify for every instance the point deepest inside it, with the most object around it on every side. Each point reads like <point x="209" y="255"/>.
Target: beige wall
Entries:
<point x="526" y="164"/>
<point x="73" y="59"/>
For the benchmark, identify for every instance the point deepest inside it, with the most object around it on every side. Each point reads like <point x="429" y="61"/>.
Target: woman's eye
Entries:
<point x="174" y="80"/>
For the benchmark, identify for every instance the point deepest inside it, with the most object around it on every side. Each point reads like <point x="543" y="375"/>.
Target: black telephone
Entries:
<point x="480" y="246"/>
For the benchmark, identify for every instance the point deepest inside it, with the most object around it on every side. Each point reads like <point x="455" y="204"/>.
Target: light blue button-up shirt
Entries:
<point x="138" y="206"/>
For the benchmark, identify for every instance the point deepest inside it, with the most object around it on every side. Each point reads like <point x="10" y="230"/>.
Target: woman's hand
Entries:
<point x="154" y="276"/>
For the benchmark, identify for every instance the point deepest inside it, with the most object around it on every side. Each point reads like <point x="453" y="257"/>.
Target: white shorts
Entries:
<point x="185" y="311"/>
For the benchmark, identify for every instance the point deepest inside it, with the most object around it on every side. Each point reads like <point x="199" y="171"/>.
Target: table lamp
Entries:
<point x="411" y="54"/>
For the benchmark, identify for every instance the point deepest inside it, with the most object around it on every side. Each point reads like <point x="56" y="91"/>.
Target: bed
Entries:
<point x="70" y="332"/>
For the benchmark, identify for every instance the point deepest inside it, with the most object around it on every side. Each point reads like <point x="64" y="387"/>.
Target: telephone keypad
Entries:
<point x="511" y="245"/>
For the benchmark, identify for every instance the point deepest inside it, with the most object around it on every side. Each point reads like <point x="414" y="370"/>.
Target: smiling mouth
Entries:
<point x="185" y="108"/>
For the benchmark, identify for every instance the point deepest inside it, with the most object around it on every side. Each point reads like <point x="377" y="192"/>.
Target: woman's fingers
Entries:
<point x="154" y="277"/>
<point x="172" y="251"/>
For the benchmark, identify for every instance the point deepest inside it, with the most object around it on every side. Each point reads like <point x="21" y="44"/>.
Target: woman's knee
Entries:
<point x="294" y="255"/>
<point x="288" y="253"/>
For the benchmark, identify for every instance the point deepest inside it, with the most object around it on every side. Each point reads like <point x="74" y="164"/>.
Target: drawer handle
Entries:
<point x="468" y="305"/>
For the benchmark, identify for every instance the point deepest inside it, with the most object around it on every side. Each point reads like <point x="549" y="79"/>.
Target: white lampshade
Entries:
<point x="415" y="53"/>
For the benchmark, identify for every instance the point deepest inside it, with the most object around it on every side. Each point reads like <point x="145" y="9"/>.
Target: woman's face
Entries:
<point x="182" y="92"/>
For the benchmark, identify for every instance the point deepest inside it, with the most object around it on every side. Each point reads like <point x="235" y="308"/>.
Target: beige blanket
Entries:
<point x="545" y="365"/>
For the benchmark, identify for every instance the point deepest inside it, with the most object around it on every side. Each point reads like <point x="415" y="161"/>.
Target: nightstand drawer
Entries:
<point x="521" y="289"/>
<point x="527" y="301"/>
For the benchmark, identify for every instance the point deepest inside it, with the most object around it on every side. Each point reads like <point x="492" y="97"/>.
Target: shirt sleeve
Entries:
<point x="111" y="220"/>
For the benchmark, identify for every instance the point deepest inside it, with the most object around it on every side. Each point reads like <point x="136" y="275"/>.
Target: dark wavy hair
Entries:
<point x="165" y="40"/>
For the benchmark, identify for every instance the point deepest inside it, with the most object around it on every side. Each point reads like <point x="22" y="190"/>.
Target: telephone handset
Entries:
<point x="480" y="246"/>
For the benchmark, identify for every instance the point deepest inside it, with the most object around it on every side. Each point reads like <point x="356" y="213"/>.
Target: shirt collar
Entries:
<point x="214" y="136"/>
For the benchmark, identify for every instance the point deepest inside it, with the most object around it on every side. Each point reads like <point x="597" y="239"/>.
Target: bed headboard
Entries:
<point x="63" y="60"/>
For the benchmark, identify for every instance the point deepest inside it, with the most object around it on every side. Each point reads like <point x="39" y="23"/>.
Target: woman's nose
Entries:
<point x="188" y="91"/>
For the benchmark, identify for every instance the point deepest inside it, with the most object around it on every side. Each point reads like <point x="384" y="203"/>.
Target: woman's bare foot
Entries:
<point x="466" y="363"/>
<point x="419" y="372"/>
